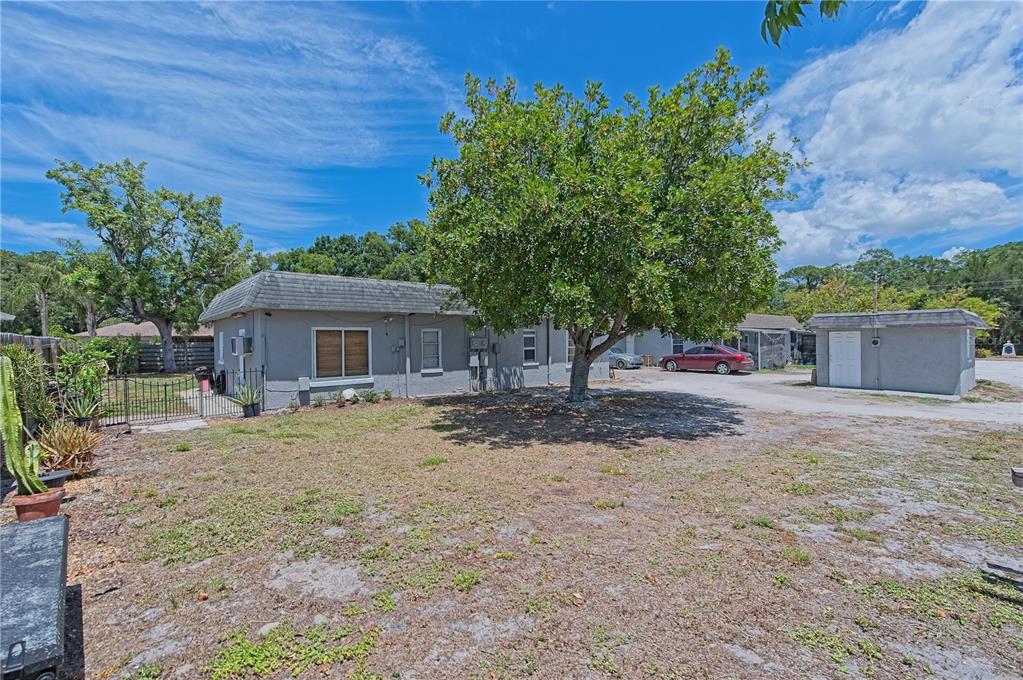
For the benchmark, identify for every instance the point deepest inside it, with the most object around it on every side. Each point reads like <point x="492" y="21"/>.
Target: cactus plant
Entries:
<point x="22" y="459"/>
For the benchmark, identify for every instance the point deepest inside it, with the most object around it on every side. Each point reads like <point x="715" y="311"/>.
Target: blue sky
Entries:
<point x="317" y="118"/>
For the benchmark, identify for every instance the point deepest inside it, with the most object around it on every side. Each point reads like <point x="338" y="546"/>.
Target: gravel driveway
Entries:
<point x="789" y="392"/>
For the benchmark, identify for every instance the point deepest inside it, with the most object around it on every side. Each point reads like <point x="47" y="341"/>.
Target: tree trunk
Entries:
<point x="578" y="389"/>
<point x="43" y="301"/>
<point x="166" y="329"/>
<point x="90" y="318"/>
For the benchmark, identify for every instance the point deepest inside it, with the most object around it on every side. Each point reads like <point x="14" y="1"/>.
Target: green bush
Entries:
<point x="30" y="379"/>
<point x="984" y="353"/>
<point x="81" y="372"/>
<point x="123" y="352"/>
<point x="370" y="395"/>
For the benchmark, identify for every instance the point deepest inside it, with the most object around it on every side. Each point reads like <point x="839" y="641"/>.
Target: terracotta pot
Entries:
<point x="38" y="505"/>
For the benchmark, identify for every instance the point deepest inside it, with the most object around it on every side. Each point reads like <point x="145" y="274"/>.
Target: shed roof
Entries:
<point x="323" y="292"/>
<point x="907" y="318"/>
<point x="146" y="329"/>
<point x="769" y="322"/>
<point x="4" y="316"/>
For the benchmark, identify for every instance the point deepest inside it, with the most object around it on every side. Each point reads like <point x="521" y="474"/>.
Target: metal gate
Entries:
<point x="162" y="397"/>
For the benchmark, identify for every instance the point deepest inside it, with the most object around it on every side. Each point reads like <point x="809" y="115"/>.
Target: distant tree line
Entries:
<point x="987" y="281"/>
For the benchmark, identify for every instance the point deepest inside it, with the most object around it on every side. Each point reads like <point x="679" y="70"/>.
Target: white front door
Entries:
<point x="844" y="358"/>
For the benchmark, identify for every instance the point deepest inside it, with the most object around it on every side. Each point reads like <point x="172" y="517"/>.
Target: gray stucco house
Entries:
<point x="314" y="334"/>
<point x="926" y="350"/>
<point x="772" y="339"/>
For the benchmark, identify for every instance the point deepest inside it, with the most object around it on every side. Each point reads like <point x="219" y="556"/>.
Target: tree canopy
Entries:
<point x="610" y="220"/>
<point x="399" y="254"/>
<point x="169" y="250"/>
<point x="988" y="282"/>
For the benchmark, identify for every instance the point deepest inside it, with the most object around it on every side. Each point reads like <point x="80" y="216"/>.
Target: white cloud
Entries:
<point x="240" y="99"/>
<point x="953" y="252"/>
<point x="913" y="133"/>
<point x="15" y="232"/>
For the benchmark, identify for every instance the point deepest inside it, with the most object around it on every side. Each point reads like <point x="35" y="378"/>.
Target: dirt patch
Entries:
<point x="645" y="536"/>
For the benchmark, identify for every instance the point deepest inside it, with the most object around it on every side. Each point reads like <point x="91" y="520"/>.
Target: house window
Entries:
<point x="529" y="348"/>
<point x="341" y="353"/>
<point x="678" y="344"/>
<point x="431" y="350"/>
<point x="220" y="347"/>
<point x="234" y="346"/>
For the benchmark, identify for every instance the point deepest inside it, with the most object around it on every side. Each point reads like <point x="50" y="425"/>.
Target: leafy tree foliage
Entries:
<point x="399" y="254"/>
<point x="170" y="250"/>
<point x="780" y="16"/>
<point x="609" y="220"/>
<point x="988" y="282"/>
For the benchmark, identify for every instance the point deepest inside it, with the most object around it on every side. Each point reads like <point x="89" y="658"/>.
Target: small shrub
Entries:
<point x="30" y="379"/>
<point x="70" y="447"/>
<point x="182" y="447"/>
<point x="984" y="353"/>
<point x="318" y="401"/>
<point x="387" y="395"/>
<point x="370" y="396"/>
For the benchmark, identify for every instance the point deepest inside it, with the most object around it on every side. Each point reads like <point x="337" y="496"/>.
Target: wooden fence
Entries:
<point x="187" y="356"/>
<point x="46" y="347"/>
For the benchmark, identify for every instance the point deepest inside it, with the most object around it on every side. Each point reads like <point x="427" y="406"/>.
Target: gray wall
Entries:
<point x="935" y="360"/>
<point x="283" y="345"/>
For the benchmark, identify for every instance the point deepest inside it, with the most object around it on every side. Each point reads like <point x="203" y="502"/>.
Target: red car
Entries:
<point x="718" y="358"/>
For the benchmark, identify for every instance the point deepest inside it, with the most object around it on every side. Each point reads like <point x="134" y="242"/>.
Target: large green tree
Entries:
<point x="170" y="249"/>
<point x="610" y="220"/>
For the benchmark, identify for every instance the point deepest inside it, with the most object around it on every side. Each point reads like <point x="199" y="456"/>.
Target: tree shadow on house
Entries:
<point x="614" y="417"/>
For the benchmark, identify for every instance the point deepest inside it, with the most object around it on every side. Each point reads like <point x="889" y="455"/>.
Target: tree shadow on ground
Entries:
<point x="617" y="417"/>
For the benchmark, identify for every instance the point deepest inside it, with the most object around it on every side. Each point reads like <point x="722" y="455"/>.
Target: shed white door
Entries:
<point x="844" y="358"/>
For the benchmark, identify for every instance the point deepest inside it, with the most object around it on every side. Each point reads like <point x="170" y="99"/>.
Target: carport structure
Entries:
<point x="922" y="350"/>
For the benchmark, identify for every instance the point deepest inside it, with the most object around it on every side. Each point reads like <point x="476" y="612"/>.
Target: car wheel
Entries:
<point x="722" y="368"/>
<point x="620" y="364"/>
<point x="670" y="366"/>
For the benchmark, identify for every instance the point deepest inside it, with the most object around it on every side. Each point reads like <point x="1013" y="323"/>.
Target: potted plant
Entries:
<point x="83" y="409"/>
<point x="249" y="399"/>
<point x="34" y="500"/>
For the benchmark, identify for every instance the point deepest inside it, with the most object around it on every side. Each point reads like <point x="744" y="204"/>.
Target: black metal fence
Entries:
<point x="162" y="397"/>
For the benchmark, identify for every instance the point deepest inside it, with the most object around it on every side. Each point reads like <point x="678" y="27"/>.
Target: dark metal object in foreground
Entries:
<point x="1017" y="477"/>
<point x="32" y="583"/>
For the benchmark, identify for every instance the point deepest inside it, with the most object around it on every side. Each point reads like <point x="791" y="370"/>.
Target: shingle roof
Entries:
<point x="146" y="329"/>
<point x="781" y="322"/>
<point x="321" y="292"/>
<point x="908" y="318"/>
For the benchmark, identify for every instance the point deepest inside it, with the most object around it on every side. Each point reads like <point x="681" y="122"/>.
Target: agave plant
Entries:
<point x="22" y="459"/>
<point x="247" y="396"/>
<point x="70" y="447"/>
<point x="82" y="406"/>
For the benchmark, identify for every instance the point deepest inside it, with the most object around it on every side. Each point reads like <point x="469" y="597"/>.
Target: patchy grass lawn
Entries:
<point x="990" y="390"/>
<point x="509" y="536"/>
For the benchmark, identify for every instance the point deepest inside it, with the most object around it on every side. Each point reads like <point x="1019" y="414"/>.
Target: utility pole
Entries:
<point x="875" y="291"/>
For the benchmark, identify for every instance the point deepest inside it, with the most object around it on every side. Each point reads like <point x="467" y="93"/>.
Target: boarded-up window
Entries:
<point x="328" y="354"/>
<point x="356" y="353"/>
<point x="431" y="349"/>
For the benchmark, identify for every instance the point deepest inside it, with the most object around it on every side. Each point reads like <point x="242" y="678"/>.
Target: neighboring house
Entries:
<point x="314" y="334"/>
<point x="147" y="332"/>
<point x="928" y="350"/>
<point x="772" y="339"/>
<point x="4" y="316"/>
